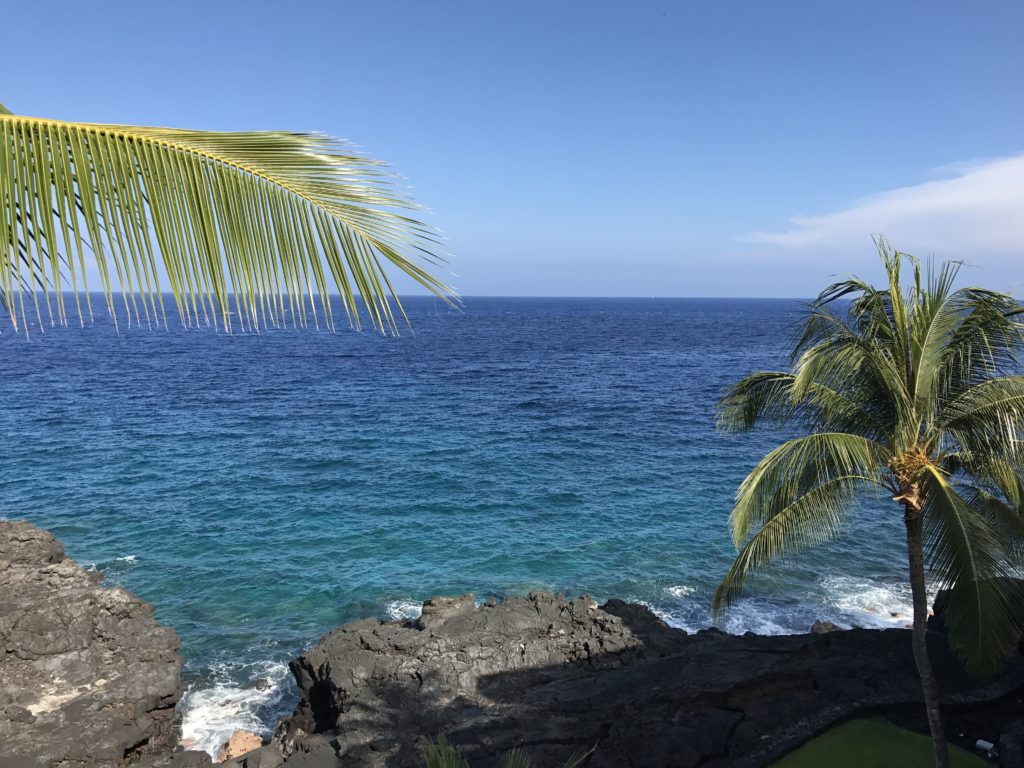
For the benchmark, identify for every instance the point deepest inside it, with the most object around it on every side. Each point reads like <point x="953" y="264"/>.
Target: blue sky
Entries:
<point x="617" y="149"/>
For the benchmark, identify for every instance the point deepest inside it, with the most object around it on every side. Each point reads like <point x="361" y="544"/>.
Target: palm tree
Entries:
<point x="917" y="394"/>
<point x="250" y="229"/>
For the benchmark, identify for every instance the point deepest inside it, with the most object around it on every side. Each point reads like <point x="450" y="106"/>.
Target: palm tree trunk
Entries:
<point x="915" y="524"/>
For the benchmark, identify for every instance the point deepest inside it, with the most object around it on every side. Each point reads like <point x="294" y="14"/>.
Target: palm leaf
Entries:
<point x="797" y="466"/>
<point x="772" y="398"/>
<point x="870" y="310"/>
<point x="986" y="343"/>
<point x="518" y="758"/>
<point x="577" y="759"/>
<point x="810" y="520"/>
<point x="849" y="381"/>
<point x="984" y="606"/>
<point x="441" y="754"/>
<point x="937" y="316"/>
<point x="987" y="420"/>
<point x="892" y="260"/>
<point x="251" y="229"/>
<point x="1002" y="515"/>
<point x="764" y="397"/>
<point x="865" y="366"/>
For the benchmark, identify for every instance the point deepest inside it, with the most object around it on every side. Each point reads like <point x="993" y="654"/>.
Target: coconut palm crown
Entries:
<point x="251" y="229"/>
<point x="916" y="394"/>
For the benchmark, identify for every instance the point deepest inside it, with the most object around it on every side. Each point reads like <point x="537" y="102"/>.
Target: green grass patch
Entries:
<point x="874" y="743"/>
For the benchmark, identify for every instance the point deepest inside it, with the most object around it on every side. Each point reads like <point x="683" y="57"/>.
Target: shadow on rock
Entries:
<point x="554" y="677"/>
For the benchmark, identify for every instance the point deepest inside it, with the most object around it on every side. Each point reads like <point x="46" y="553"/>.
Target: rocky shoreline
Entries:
<point x="89" y="679"/>
<point x="87" y="676"/>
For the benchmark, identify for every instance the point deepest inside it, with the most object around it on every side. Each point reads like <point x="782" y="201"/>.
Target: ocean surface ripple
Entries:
<point x="260" y="490"/>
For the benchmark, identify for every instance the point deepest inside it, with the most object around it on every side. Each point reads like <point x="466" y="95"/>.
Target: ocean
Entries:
<point x="259" y="490"/>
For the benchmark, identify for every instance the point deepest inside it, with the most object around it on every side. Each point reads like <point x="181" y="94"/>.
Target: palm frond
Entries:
<point x="831" y="403"/>
<point x="992" y="473"/>
<point x="862" y="367"/>
<point x="517" y="758"/>
<point x="579" y="758"/>
<point x="1004" y="516"/>
<point x="797" y="466"/>
<point x="810" y="520"/>
<point x="764" y="397"/>
<point x="892" y="259"/>
<point x="821" y="325"/>
<point x="987" y="343"/>
<point x="849" y="383"/>
<point x="987" y="420"/>
<point x="251" y="229"/>
<point x="984" y="606"/>
<point x="870" y="310"/>
<point x="772" y="398"/>
<point x="937" y="316"/>
<point x="441" y="754"/>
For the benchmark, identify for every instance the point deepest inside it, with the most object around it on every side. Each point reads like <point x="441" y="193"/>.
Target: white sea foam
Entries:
<point x="867" y="603"/>
<point x="680" y="590"/>
<point x="397" y="610"/>
<point x="212" y="712"/>
<point x="843" y="600"/>
<point x="760" y="619"/>
<point x="128" y="559"/>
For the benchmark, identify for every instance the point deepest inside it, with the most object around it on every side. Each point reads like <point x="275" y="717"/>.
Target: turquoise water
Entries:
<point x="259" y="490"/>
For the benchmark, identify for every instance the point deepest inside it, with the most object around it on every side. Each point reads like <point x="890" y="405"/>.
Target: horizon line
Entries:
<point x="461" y="297"/>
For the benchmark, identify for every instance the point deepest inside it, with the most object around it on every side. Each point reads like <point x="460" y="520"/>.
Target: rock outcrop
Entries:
<point x="88" y="678"/>
<point x="557" y="677"/>
<point x="821" y="627"/>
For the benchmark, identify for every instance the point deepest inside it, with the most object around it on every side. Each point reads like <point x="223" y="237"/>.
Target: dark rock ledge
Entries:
<point x="555" y="677"/>
<point x="90" y="680"/>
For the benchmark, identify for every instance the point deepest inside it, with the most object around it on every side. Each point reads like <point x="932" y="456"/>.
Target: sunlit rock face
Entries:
<point x="88" y="678"/>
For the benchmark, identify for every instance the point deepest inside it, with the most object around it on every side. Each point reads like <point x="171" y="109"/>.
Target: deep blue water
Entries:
<point x="259" y="490"/>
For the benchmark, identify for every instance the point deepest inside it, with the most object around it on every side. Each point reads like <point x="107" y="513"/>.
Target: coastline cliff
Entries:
<point x="89" y="679"/>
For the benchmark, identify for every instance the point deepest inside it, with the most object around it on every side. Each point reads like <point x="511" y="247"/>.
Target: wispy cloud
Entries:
<point x="977" y="214"/>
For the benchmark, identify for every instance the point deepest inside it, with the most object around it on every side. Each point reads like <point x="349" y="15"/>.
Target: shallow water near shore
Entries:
<point x="260" y="490"/>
